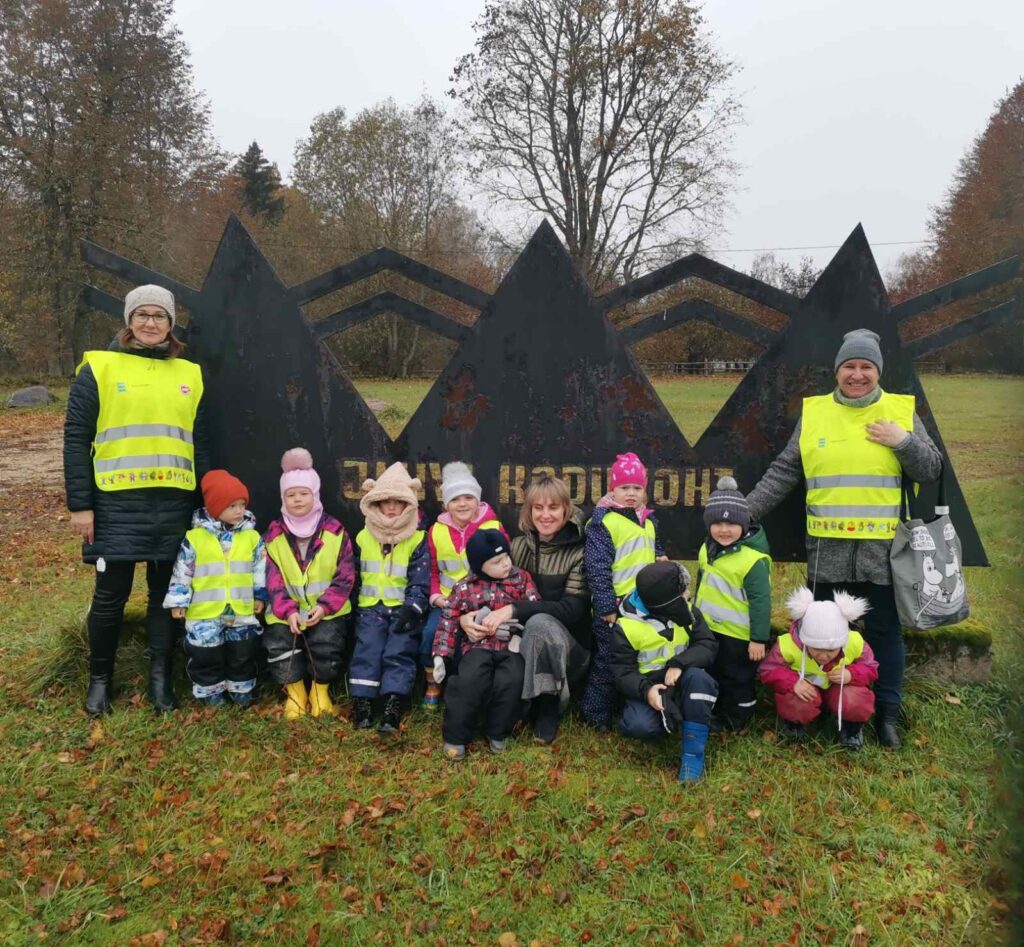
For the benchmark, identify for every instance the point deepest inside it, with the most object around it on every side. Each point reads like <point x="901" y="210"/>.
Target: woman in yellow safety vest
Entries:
<point x="134" y="451"/>
<point x="852" y="448"/>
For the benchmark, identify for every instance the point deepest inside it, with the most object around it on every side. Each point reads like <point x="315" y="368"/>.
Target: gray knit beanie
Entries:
<point x="860" y="343"/>
<point x="457" y="480"/>
<point x="149" y="295"/>
<point x="727" y="505"/>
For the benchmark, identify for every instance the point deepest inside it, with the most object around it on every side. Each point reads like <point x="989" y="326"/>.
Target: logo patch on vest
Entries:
<point x="822" y="441"/>
<point x="121" y="387"/>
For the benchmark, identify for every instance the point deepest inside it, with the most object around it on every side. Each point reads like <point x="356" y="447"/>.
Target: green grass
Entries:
<point x="232" y="826"/>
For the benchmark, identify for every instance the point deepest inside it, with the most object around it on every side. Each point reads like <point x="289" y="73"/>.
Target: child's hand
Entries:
<point x="804" y="690"/>
<point x="609" y="618"/>
<point x="661" y="559"/>
<point x="177" y="613"/>
<point x="436" y="600"/>
<point x="474" y="632"/>
<point x="840" y="675"/>
<point x="257" y="607"/>
<point x="295" y="623"/>
<point x="654" y="697"/>
<point x="755" y="650"/>
<point x="315" y="616"/>
<point x="672" y="675"/>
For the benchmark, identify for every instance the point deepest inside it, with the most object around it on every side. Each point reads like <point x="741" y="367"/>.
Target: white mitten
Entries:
<point x="514" y="644"/>
<point x="439" y="671"/>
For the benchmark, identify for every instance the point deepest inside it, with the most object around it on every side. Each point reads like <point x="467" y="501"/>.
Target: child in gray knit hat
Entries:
<point x="734" y="594"/>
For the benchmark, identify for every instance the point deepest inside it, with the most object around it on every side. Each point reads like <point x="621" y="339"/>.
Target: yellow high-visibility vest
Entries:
<point x="721" y="598"/>
<point x="147" y="414"/>
<point x="383" y="578"/>
<point x="452" y="565"/>
<point x="853" y="485"/>
<point x="634" y="549"/>
<point x="811" y="670"/>
<point x="653" y="650"/>
<point x="221" y="579"/>
<point x="306" y="586"/>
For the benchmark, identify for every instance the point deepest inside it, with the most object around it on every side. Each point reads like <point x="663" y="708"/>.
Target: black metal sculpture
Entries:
<point x="541" y="382"/>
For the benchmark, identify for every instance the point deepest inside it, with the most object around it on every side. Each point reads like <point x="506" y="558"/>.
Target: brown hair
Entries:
<point x="174" y="345"/>
<point x="544" y="486"/>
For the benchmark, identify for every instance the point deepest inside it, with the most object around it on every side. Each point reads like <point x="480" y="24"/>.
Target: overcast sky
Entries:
<point x="854" y="111"/>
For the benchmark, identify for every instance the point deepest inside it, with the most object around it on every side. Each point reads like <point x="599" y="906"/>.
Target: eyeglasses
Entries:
<point x="157" y="318"/>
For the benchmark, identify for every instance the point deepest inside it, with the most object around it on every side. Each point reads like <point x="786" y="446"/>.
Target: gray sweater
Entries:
<point x="844" y="560"/>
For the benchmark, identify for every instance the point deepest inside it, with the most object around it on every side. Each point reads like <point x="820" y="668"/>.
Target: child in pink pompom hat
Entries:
<point x="622" y="538"/>
<point x="310" y="576"/>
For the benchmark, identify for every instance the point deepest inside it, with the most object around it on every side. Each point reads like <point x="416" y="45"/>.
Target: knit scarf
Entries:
<point x="390" y="532"/>
<point x="862" y="402"/>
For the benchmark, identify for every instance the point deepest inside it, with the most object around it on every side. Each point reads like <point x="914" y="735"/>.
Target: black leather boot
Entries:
<point x="851" y="735"/>
<point x="886" y="718"/>
<point x="161" y="690"/>
<point x="391" y="719"/>
<point x="101" y="679"/>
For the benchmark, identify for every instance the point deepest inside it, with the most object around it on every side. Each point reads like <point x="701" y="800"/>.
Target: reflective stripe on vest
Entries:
<point x="383" y="578"/>
<point x="159" y="452"/>
<point x="452" y="565"/>
<point x="305" y="587"/>
<point x="721" y="598"/>
<point x="634" y="549"/>
<point x="221" y="579"/>
<point x="793" y="656"/>
<point x="853" y="485"/>
<point x="653" y="650"/>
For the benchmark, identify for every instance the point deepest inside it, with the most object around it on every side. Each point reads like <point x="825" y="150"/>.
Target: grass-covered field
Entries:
<point x="216" y="826"/>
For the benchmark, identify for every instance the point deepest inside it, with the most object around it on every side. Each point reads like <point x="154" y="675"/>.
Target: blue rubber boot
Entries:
<point x="691" y="763"/>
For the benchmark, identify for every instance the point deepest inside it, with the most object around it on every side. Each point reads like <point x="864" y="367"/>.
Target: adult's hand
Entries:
<point x="886" y="433"/>
<point x="499" y="617"/>
<point x="83" y="523"/>
<point x="474" y="632"/>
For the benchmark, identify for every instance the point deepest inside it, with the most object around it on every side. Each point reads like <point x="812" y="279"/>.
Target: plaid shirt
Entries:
<point x="472" y="594"/>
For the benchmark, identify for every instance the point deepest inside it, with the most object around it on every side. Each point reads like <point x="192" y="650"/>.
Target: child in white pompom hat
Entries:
<point x="821" y="662"/>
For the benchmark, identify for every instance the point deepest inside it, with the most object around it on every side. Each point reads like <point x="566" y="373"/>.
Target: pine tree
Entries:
<point x="260" y="183"/>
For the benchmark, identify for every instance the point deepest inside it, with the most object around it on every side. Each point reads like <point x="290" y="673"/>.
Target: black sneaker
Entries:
<point x="391" y="720"/>
<point x="364" y="713"/>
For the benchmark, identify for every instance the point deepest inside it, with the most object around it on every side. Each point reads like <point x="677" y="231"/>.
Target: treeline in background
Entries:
<point x="104" y="136"/>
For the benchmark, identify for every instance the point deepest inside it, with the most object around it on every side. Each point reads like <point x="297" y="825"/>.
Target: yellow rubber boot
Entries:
<point x="295" y="705"/>
<point x="320" y="704"/>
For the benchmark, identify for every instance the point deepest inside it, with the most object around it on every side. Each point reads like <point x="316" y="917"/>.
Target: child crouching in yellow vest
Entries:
<point x="310" y="575"/>
<point x="219" y="587"/>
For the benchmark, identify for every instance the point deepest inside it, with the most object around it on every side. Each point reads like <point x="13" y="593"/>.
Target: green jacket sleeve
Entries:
<point x="758" y="585"/>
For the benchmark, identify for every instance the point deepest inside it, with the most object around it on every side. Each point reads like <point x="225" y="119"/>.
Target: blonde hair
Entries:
<point x="546" y="487"/>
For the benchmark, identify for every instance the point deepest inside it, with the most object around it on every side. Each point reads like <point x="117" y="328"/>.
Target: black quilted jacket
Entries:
<point x="135" y="525"/>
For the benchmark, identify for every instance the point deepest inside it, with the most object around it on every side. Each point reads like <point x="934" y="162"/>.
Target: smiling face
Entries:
<point x="725" y="533"/>
<point x="150" y="324"/>
<point x="298" y="501"/>
<point x="630" y="495"/>
<point x="463" y="509"/>
<point x="232" y="514"/>
<point x="548" y="515"/>
<point x="857" y="377"/>
<point x="498" y="567"/>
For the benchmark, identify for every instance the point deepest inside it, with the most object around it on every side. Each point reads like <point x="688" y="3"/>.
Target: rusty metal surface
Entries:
<point x="541" y="382"/>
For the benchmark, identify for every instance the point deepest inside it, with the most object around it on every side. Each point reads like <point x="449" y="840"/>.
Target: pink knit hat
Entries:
<point x="297" y="465"/>
<point x="628" y="469"/>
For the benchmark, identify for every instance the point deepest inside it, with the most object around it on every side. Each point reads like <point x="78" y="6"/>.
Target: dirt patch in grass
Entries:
<point x="33" y="448"/>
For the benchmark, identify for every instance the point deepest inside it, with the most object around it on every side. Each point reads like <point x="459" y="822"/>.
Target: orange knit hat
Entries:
<point x="220" y="490"/>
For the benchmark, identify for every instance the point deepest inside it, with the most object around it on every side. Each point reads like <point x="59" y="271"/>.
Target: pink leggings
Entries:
<point x="858" y="704"/>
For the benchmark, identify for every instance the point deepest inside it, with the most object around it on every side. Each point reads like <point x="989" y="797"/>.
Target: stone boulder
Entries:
<point x="30" y="397"/>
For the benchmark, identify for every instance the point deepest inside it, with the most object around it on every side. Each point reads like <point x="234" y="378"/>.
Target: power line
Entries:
<point x="823" y="246"/>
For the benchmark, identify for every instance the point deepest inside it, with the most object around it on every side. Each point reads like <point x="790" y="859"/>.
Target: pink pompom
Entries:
<point x="298" y="458"/>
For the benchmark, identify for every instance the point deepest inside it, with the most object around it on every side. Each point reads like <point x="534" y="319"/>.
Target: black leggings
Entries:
<point x="106" y="614"/>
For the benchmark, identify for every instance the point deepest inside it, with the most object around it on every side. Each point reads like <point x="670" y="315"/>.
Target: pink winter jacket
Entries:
<point x="780" y="677"/>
